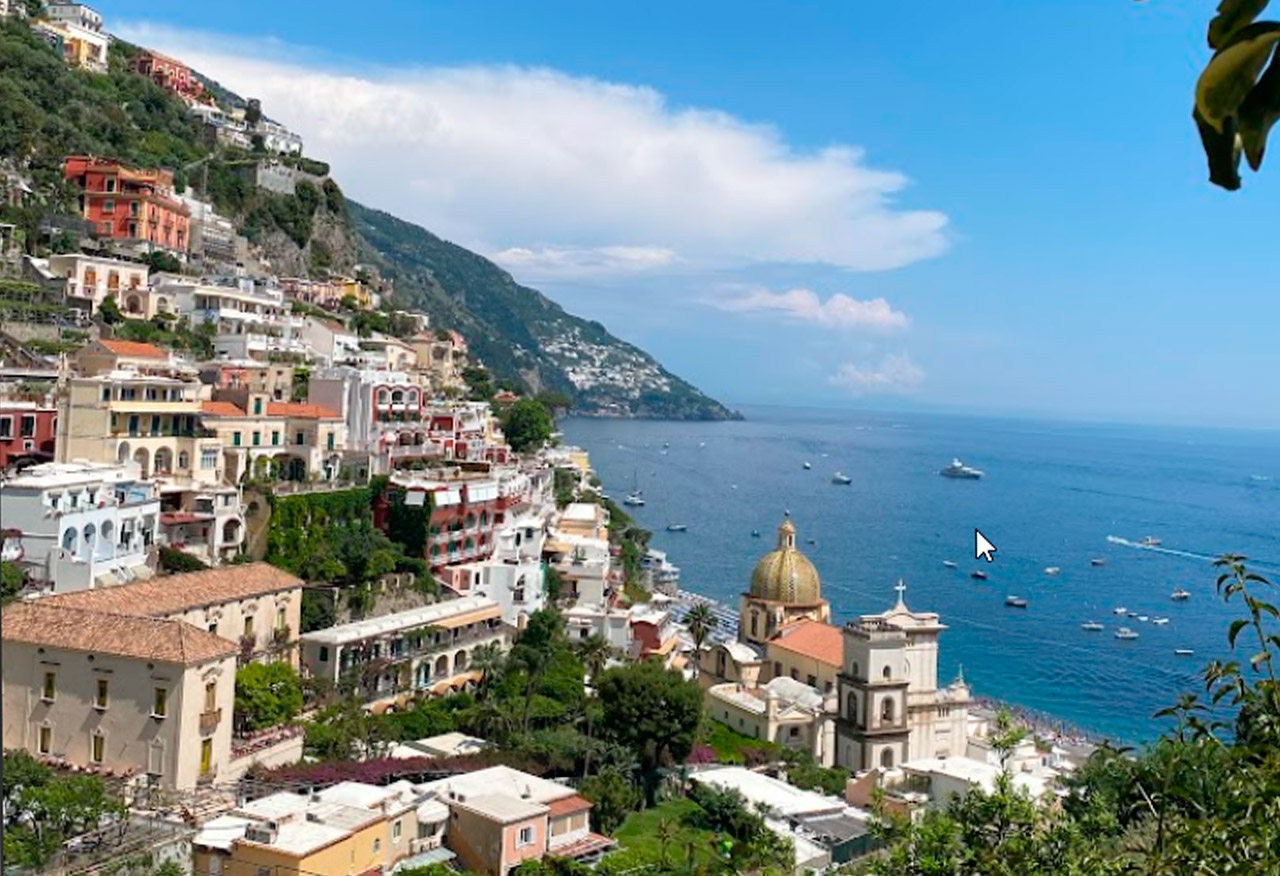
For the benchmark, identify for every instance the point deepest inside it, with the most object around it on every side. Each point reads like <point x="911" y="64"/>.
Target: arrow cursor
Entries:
<point x="981" y="547"/>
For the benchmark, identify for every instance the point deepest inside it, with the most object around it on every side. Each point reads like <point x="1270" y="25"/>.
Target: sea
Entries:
<point x="1054" y="494"/>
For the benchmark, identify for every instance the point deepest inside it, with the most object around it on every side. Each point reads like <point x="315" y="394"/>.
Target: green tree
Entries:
<point x="652" y="710"/>
<point x="527" y="425"/>
<point x="109" y="310"/>
<point x="267" y="695"/>
<point x="594" y="652"/>
<point x="700" y="622"/>
<point x="12" y="580"/>
<point x="613" y="796"/>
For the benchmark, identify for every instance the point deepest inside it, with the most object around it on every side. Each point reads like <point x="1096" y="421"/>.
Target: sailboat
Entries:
<point x="635" y="498"/>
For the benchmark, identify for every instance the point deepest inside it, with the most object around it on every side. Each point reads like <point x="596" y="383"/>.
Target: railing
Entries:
<point x="209" y="721"/>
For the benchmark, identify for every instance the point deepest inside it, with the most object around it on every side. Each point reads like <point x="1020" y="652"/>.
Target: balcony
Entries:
<point x="209" y="721"/>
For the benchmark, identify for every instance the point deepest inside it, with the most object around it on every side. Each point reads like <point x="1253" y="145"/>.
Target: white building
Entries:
<point x="611" y="624"/>
<point x="513" y="575"/>
<point x="90" y="279"/>
<point x="277" y="138"/>
<point x="77" y="14"/>
<point x="331" y="342"/>
<point x="252" y="319"/>
<point x="784" y="711"/>
<point x="80" y="525"/>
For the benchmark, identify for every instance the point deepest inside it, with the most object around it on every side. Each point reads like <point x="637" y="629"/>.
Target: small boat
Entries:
<point x="666" y="444"/>
<point x="1126" y="633"/>
<point x="948" y="564"/>
<point x="677" y="527"/>
<point x="1183" y="652"/>
<point x="1150" y="541"/>
<point x="1097" y="561"/>
<point x="702" y="444"/>
<point x="1015" y="602"/>
<point x="841" y="479"/>
<point x="1052" y="570"/>
<point x="635" y="500"/>
<point x="1179" y="595"/>
<point x="808" y="465"/>
<point x="1091" y="626"/>
<point x="1133" y="614"/>
<point x="1143" y="618"/>
<point x="1119" y="610"/>
<point x="811" y="541"/>
<point x="978" y="575"/>
<point x="959" y="470"/>
<point x="755" y="533"/>
<point x="1159" y="621"/>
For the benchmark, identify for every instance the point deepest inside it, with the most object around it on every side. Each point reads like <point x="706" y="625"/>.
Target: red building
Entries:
<point x="168" y="73"/>
<point x="27" y="431"/>
<point x="127" y="204"/>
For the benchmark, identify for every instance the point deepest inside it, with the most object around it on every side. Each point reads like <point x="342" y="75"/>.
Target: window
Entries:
<point x="248" y="627"/>
<point x="6" y="427"/>
<point x="111" y="183"/>
<point x="396" y="828"/>
<point x="104" y="227"/>
<point x="98" y="748"/>
<point x="28" y="426"/>
<point x="887" y="673"/>
<point x="299" y="438"/>
<point x="100" y="698"/>
<point x="280" y="618"/>
<point x="108" y="205"/>
<point x="209" y="458"/>
<point x="329" y="441"/>
<point x="257" y="438"/>
<point x="184" y="460"/>
<point x="257" y="407"/>
<point x="213" y="627"/>
<point x="812" y="681"/>
<point x="525" y="837"/>
<point x="206" y="756"/>
<point x="211" y="696"/>
<point x="377" y="845"/>
<point x="160" y="703"/>
<point x="324" y="654"/>
<point x="50" y="689"/>
<point x="235" y="439"/>
<point x="46" y="740"/>
<point x="777" y="669"/>
<point x="275" y="436"/>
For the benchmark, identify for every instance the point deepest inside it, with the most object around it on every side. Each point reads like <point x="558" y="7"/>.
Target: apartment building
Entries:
<point x="106" y="355"/>
<point x="169" y="74"/>
<point x="90" y="279"/>
<point x="80" y="525"/>
<point x="74" y="30"/>
<point x="236" y="380"/>
<point x="28" y="428"/>
<point x="124" y="203"/>
<point x="277" y="440"/>
<point x="513" y="576"/>
<point x="255" y="607"/>
<point x="252" y="319"/>
<point x="396" y="655"/>
<point x="116" y="694"/>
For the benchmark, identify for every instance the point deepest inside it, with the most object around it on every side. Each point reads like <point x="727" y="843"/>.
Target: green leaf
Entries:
<point x="1232" y="16"/>
<point x="1236" y="626"/>
<point x="1258" y="659"/>
<point x="1233" y="70"/>
<point x="1259" y="111"/>
<point x="1222" y="150"/>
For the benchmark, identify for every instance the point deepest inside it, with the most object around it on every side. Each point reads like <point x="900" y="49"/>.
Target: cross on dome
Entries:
<point x="901" y="587"/>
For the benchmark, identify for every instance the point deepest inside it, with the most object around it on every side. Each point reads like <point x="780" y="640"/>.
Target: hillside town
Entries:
<point x="294" y="587"/>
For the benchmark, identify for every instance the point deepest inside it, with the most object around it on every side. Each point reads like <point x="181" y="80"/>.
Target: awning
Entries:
<point x="435" y="856"/>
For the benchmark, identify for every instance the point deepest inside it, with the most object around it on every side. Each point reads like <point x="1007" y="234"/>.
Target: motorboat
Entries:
<point x="1150" y="541"/>
<point x="755" y="533"/>
<point x="1183" y="652"/>
<point x="841" y="479"/>
<point x="948" y="564"/>
<point x="1159" y="621"/>
<point x="808" y="465"/>
<point x="677" y="527"/>
<point x="959" y="470"/>
<point x="812" y="541"/>
<point x="1119" y="610"/>
<point x="978" y="575"/>
<point x="635" y="500"/>
<point x="1052" y="570"/>
<point x="1133" y="614"/>
<point x="1015" y="602"/>
<point x="1179" y="595"/>
<point x="1126" y="633"/>
<point x="666" y="445"/>
<point x="1092" y="626"/>
<point x="1098" y="561"/>
<point x="1143" y="618"/>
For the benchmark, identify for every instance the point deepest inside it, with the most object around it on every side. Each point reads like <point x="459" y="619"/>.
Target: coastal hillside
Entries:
<point x="49" y="110"/>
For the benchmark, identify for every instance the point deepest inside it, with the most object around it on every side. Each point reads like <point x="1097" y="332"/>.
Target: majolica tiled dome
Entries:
<point x="785" y="574"/>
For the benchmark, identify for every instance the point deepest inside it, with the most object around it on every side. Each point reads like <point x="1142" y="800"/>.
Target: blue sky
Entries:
<point x="736" y="186"/>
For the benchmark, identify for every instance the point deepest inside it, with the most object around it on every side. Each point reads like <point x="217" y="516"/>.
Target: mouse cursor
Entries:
<point x="981" y="547"/>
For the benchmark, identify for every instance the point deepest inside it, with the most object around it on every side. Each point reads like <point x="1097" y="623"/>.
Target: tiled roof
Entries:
<point x="811" y="638"/>
<point x="158" y="597"/>
<point x="300" y="410"/>
<point x="134" y="348"/>
<point x="143" y="638"/>
<point x="221" y="409"/>
<point x="566" y="805"/>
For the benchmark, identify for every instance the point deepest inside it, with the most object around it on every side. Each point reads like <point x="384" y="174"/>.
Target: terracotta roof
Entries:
<point x="300" y="410"/>
<point x="221" y="409"/>
<point x="134" y="348"/>
<point x="99" y="632"/>
<point x="811" y="638"/>
<point x="171" y="594"/>
<point x="565" y="805"/>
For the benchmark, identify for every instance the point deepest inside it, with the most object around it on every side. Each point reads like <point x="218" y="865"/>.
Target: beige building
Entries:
<point x="119" y="694"/>
<point x="105" y="355"/>
<point x="90" y="279"/>
<point x="255" y="607"/>
<point x="278" y="441"/>
<point x="787" y="712"/>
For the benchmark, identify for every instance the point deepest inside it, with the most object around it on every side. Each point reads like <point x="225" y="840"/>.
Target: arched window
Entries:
<point x="886" y="711"/>
<point x="122" y="454"/>
<point x="382" y="396"/>
<point x="442" y="665"/>
<point x="397" y="397"/>
<point x="184" y="460"/>
<point x="90" y="533"/>
<point x="887" y="673"/>
<point x="755" y="624"/>
<point x="886" y="759"/>
<point x="854" y="670"/>
<point x="460" y="661"/>
<point x="69" y="539"/>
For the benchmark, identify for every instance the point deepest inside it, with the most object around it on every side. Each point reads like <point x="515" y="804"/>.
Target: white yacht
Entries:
<point x="1150" y="541"/>
<point x="949" y="564"/>
<point x="958" y="469"/>
<point x="1179" y="595"/>
<point x="1183" y="652"/>
<point x="841" y="479"/>
<point x="1119" y="610"/>
<point x="1126" y="633"/>
<point x="1052" y="570"/>
<point x="1091" y="626"/>
<point x="635" y="500"/>
<point x="808" y="465"/>
<point x="1160" y="621"/>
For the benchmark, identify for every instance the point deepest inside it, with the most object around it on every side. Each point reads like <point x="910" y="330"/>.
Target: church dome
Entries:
<point x="785" y="574"/>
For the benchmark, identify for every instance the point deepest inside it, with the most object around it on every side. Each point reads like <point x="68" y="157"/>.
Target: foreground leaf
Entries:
<point x="1258" y="112"/>
<point x="1232" y="16"/>
<point x="1231" y="73"/>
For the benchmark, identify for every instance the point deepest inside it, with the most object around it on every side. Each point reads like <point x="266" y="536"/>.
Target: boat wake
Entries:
<point x="1190" y="555"/>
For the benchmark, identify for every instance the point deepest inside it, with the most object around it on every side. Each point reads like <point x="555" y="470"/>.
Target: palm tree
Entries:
<point x="488" y="661"/>
<point x="594" y="652"/>
<point x="700" y="622"/>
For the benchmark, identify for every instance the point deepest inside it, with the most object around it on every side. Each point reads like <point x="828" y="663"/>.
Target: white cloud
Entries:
<point x="894" y="375"/>
<point x="564" y="175"/>
<point x="838" y="311"/>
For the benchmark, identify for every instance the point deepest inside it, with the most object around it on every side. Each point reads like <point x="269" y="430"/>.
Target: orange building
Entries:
<point x="169" y="74"/>
<point x="127" y="204"/>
